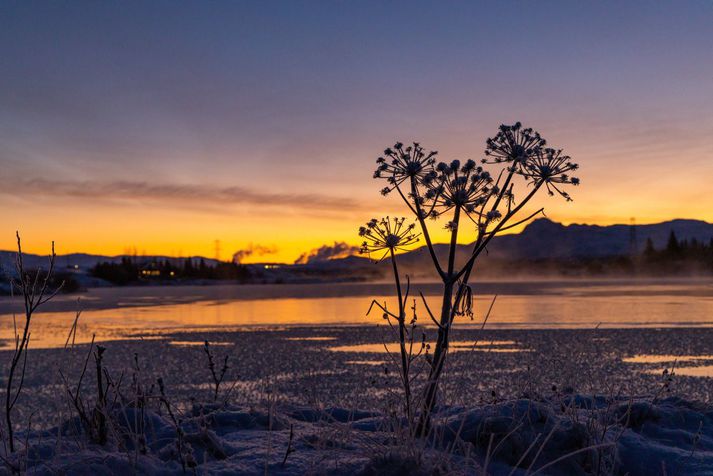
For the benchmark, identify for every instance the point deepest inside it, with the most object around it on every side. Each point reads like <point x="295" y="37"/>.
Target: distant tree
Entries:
<point x="649" y="250"/>
<point x="121" y="273"/>
<point x="673" y="248"/>
<point x="188" y="267"/>
<point x="127" y="271"/>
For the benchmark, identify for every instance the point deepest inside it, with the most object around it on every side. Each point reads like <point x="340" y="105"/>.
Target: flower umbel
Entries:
<point x="388" y="235"/>
<point x="401" y="163"/>
<point x="455" y="185"/>
<point x="550" y="167"/>
<point x="513" y="144"/>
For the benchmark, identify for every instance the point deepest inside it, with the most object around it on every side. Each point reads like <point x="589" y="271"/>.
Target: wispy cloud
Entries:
<point x="198" y="195"/>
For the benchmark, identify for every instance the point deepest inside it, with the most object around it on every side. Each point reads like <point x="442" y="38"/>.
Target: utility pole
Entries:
<point x="217" y="250"/>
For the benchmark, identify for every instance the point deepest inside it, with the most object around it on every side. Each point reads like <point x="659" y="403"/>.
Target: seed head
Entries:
<point x="387" y="235"/>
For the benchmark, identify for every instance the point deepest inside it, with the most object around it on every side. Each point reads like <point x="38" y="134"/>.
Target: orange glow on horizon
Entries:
<point x="185" y="220"/>
<point x="187" y="233"/>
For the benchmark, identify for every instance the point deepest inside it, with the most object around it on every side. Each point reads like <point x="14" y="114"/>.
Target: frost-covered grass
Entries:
<point x="560" y="436"/>
<point x="285" y="378"/>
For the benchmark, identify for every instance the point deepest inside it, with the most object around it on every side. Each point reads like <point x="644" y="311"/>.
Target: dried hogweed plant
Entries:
<point x="468" y="197"/>
<point x="384" y="238"/>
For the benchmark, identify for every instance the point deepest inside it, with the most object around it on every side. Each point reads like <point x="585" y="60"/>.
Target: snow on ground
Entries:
<point x="525" y="391"/>
<point x="569" y="435"/>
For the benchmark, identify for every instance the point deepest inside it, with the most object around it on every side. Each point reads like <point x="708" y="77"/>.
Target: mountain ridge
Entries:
<point x="544" y="239"/>
<point x="540" y="239"/>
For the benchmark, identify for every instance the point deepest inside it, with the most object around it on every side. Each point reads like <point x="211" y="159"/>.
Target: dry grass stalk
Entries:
<point x="34" y="289"/>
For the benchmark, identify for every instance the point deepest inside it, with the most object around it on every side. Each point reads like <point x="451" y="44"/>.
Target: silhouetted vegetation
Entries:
<point x="678" y="256"/>
<point x="466" y="196"/>
<point x="65" y="282"/>
<point x="130" y="270"/>
<point x="36" y="289"/>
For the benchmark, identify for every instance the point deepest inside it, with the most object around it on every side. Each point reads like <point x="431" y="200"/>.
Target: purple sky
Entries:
<point x="166" y="125"/>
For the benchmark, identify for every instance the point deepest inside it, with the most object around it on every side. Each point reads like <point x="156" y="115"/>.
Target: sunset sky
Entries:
<point x="167" y="125"/>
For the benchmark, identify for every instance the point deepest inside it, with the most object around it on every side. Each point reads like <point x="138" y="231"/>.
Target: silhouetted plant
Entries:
<point x="100" y="410"/>
<point x="35" y="290"/>
<point x="469" y="196"/>
<point x="217" y="375"/>
<point x="387" y="236"/>
<point x="180" y="435"/>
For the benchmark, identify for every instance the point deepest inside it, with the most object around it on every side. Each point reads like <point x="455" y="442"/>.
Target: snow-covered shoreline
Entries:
<point x="569" y="435"/>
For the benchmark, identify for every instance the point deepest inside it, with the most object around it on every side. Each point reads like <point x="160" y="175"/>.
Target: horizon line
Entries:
<point x="145" y="254"/>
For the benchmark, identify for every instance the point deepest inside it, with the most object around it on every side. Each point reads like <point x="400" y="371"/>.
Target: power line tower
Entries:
<point x="217" y="250"/>
<point x="633" y="240"/>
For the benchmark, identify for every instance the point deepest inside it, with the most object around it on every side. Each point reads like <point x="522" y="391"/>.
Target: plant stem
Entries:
<point x="481" y="244"/>
<point x="402" y="338"/>
<point x="424" y="228"/>
<point x="441" y="350"/>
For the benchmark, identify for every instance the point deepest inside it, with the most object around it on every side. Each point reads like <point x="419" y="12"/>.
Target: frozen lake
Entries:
<point x="143" y="312"/>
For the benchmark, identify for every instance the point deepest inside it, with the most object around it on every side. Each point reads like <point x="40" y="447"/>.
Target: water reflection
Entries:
<point x="671" y="363"/>
<point x="311" y="339"/>
<point x="702" y="371"/>
<point x="456" y="346"/>
<point x="661" y="359"/>
<point x="195" y="343"/>
<point x="139" y="312"/>
<point x="365" y="362"/>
